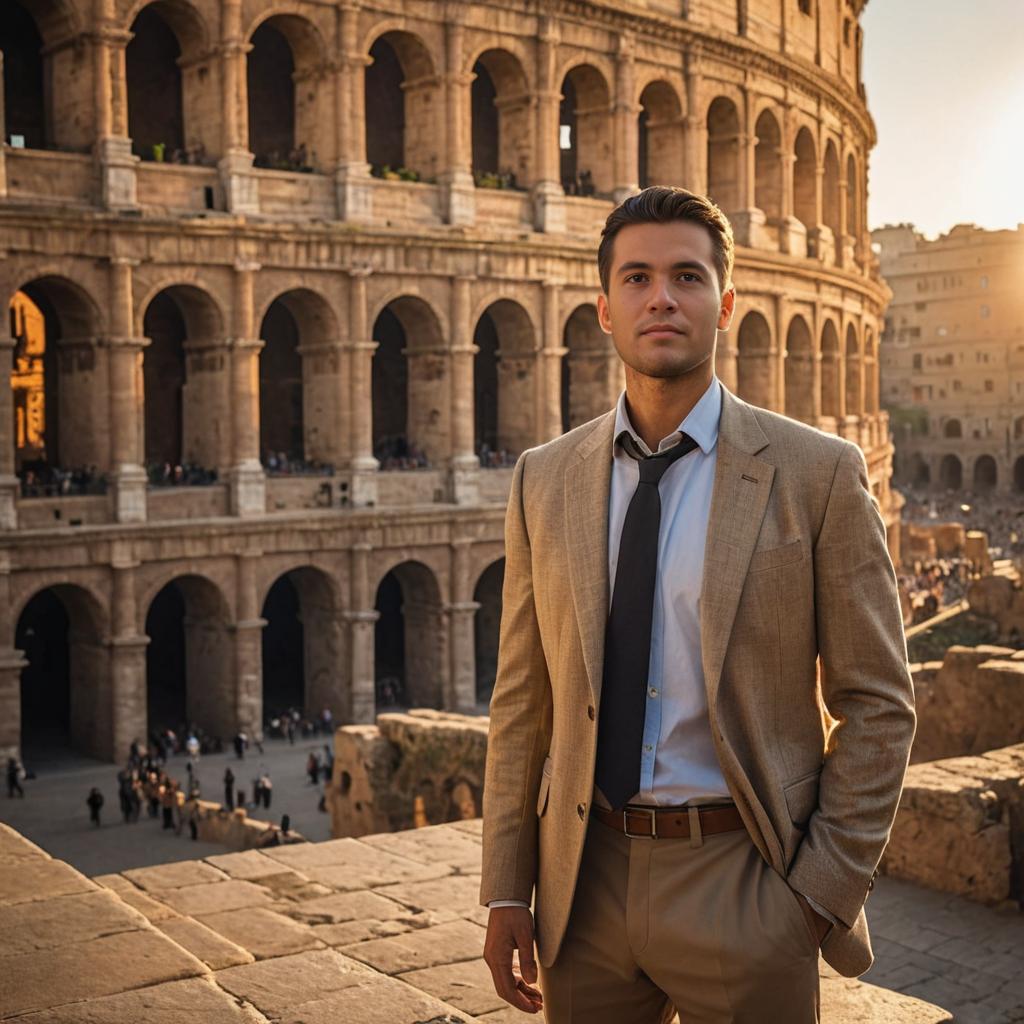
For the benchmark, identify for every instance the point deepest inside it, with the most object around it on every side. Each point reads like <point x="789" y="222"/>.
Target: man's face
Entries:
<point x="664" y="305"/>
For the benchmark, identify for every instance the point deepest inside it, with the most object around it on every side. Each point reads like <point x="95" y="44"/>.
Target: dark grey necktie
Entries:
<point x="627" y="642"/>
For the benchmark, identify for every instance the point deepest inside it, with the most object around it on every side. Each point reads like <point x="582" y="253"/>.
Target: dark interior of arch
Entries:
<point x="24" y="91"/>
<point x="389" y="641"/>
<point x="390" y="381"/>
<point x="42" y="634"/>
<point x="163" y="374"/>
<point x="385" y="107"/>
<point x="280" y="384"/>
<point x="567" y="116"/>
<point x="486" y="628"/>
<point x="485" y="383"/>
<point x="154" y="86"/>
<point x="643" y="172"/>
<point x="283" y="643"/>
<point x="485" y="121"/>
<point x="165" y="661"/>
<point x="270" y="69"/>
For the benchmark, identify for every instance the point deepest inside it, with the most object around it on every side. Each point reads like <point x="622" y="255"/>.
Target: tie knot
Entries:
<point x="652" y="467"/>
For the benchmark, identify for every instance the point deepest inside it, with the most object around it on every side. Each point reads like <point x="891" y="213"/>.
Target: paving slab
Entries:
<point x="428" y="947"/>
<point x="194" y="1001"/>
<point x="292" y="886"/>
<point x="849" y="1001"/>
<point x="467" y="985"/>
<point x="263" y="932"/>
<point x="351" y="932"/>
<point x="437" y="844"/>
<point x="174" y="876"/>
<point x="247" y="865"/>
<point x="14" y="846"/>
<point x="457" y="893"/>
<point x="115" y="882"/>
<point x="214" y="897"/>
<point x="363" y="904"/>
<point x="32" y="878"/>
<point x="152" y="910"/>
<point x="209" y="946"/>
<point x="105" y="966"/>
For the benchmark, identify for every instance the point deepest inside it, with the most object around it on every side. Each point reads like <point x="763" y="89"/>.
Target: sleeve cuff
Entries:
<point x="507" y="903"/>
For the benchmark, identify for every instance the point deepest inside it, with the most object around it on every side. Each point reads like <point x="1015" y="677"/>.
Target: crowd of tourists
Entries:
<point x="283" y="464"/>
<point x="186" y="474"/>
<point x="399" y="452"/>
<point x="1001" y="517"/>
<point x="41" y="480"/>
<point x="495" y="458"/>
<point x="929" y="585"/>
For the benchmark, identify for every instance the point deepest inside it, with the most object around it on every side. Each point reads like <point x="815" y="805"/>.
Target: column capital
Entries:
<point x="123" y="261"/>
<point x="123" y="342"/>
<point x="362" y="271"/>
<point x="243" y="266"/>
<point x="461" y="608"/>
<point x="246" y="344"/>
<point x="361" y="616"/>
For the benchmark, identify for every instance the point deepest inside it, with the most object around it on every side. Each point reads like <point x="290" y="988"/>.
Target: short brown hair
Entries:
<point x="660" y="204"/>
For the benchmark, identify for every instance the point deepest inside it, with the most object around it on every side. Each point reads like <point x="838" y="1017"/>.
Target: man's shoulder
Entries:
<point x="556" y="453"/>
<point x="791" y="441"/>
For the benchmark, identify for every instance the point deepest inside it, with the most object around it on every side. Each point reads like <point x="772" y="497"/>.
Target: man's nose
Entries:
<point x="661" y="297"/>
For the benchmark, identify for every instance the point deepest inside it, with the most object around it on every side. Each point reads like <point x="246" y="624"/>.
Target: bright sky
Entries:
<point x="945" y="84"/>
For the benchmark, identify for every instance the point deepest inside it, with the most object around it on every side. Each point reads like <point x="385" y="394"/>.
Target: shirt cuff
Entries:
<point x="507" y="903"/>
<point x="819" y="909"/>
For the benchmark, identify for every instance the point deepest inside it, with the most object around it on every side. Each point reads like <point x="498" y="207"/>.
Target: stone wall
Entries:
<point x="422" y="767"/>
<point x="1001" y="599"/>
<point x="234" y="830"/>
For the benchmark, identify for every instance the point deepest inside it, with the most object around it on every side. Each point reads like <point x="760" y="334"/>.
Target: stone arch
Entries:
<point x="872" y="386"/>
<point x="853" y="227"/>
<point x="986" y="474"/>
<point x="403" y="94"/>
<point x="298" y="383"/>
<point x="59" y="378"/>
<point x="854" y="374"/>
<point x="304" y="646"/>
<point x="952" y="428"/>
<point x="805" y="183"/>
<point x="768" y="167"/>
<point x="798" y="370"/>
<point x="167" y="82"/>
<point x="755" y="365"/>
<point x="190" y="660"/>
<point x="660" y="135"/>
<point x="486" y="627"/>
<point x="409" y="646"/>
<point x="585" y="132"/>
<point x="723" y="125"/>
<point x="290" y="103"/>
<point x="951" y="473"/>
<point x="587" y="378"/>
<point x="1018" y="474"/>
<point x="502" y="128"/>
<point x="65" y="690"/>
<point x="831" y="370"/>
<point x="830" y="197"/>
<point x="411" y="385"/>
<point x="503" y="377"/>
<point x="184" y="412"/>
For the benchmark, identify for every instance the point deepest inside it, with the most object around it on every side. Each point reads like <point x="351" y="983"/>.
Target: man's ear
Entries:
<point x="604" y="316"/>
<point x="728" y="308"/>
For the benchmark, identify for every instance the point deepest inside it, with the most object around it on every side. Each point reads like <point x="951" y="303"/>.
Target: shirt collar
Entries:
<point x="701" y="423"/>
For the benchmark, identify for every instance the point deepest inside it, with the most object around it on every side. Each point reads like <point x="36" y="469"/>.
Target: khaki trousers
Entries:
<point x="701" y="925"/>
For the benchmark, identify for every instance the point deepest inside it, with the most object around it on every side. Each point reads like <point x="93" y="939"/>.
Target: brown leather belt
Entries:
<point x="668" y="822"/>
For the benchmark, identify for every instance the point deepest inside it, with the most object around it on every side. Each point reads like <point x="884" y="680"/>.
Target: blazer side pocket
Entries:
<point x="773" y="558"/>
<point x="545" y="787"/>
<point x="802" y="798"/>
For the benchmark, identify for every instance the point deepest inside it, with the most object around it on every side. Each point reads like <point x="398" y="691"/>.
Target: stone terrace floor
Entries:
<point x="386" y="929"/>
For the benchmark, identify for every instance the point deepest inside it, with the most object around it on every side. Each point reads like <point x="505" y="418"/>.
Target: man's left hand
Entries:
<point x="819" y="925"/>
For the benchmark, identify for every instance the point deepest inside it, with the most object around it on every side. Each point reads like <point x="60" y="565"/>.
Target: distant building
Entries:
<point x="952" y="356"/>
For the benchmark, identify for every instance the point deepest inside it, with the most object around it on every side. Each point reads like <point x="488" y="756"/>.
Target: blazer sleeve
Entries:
<point x="867" y="687"/>
<point x="520" y="722"/>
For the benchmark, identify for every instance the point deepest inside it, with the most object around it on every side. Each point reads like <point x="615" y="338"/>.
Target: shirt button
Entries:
<point x="648" y="748"/>
<point x="581" y="810"/>
<point x="653" y="691"/>
<point x="590" y="712"/>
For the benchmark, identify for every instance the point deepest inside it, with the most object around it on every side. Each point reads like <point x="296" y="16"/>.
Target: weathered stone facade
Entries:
<point x="288" y="291"/>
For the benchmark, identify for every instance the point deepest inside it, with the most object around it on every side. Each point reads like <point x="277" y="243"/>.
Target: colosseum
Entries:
<point x="292" y="282"/>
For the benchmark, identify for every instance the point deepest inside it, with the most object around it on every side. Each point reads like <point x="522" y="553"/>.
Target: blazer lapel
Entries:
<point x="587" y="483"/>
<point x="738" y="502"/>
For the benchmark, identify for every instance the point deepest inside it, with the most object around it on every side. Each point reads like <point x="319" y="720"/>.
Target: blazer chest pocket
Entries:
<point x="802" y="798"/>
<point x="774" y="558"/>
<point x="545" y="787"/>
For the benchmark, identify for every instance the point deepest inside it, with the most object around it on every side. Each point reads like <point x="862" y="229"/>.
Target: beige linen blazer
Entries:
<point x="799" y="610"/>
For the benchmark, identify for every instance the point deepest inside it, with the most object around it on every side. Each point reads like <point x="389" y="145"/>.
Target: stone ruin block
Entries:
<point x="421" y="767"/>
<point x="1000" y="599"/>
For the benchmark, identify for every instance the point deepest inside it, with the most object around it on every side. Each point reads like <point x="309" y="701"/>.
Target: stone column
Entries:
<point x="549" y="379"/>
<point x="362" y="620"/>
<point x="248" y="630"/>
<point x="127" y="658"/>
<point x="248" y="485"/>
<point x="128" y="479"/>
<point x="464" y="466"/>
<point x="820" y="238"/>
<point x="625" y="112"/>
<point x="353" y="184"/>
<point x="113" y="147"/>
<point x="726" y="357"/>
<point x="548" y="195"/>
<point x="456" y="180"/>
<point x="792" y="233"/>
<point x="777" y="354"/>
<point x="748" y="222"/>
<point x="8" y="480"/>
<point x="241" y="188"/>
<point x="12" y="661"/>
<point x="363" y="465"/>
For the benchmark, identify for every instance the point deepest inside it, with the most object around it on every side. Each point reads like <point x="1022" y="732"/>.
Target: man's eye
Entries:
<point x="633" y="277"/>
<point x="690" y="277"/>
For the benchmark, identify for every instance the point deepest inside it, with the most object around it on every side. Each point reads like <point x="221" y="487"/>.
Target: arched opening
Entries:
<point x="303" y="647"/>
<point x="585" y="133"/>
<point x="768" y="167"/>
<point x="831" y="363"/>
<point x="411" y="406"/>
<point x="156" y="120"/>
<point x="724" y="154"/>
<point x="402" y="94"/>
<point x="502" y="130"/>
<point x="503" y="383"/>
<point x="830" y="197"/>
<point x="1018" y="474"/>
<point x="65" y="687"/>
<point x="805" y="184"/>
<point x="185" y="418"/>
<point x="586" y="370"/>
<point x="852" y="200"/>
<point x="755" y="376"/>
<point x="798" y="370"/>
<point x="25" y="100"/>
<point x="854" y="375"/>
<point x="409" y="642"/>
<point x="1018" y="428"/>
<point x="951" y="474"/>
<point x="190" y="672"/>
<point x="872" y="387"/>
<point x="299" y="431"/>
<point x="289" y="105"/>
<point x="660" y="136"/>
<point x="920" y="471"/>
<point x="952" y="428"/>
<point x="486" y="628"/>
<point x="58" y="381"/>
<point x="986" y="474"/>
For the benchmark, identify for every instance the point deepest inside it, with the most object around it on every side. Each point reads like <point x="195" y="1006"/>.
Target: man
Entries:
<point x="699" y="806"/>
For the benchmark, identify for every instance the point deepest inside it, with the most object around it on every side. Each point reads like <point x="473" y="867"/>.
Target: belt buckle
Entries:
<point x="650" y="811"/>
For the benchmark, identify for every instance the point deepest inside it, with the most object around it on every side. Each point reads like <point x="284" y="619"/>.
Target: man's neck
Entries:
<point x="657" y="405"/>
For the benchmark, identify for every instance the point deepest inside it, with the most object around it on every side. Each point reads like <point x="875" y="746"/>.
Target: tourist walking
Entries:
<point x="14" y="778"/>
<point x="95" y="802"/>
<point x="266" y="789"/>
<point x="313" y="767"/>
<point x="229" y="789"/>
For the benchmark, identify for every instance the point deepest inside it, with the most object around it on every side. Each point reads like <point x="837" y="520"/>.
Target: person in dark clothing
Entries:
<point x="95" y="802"/>
<point x="14" y="778"/>
<point x="229" y="789"/>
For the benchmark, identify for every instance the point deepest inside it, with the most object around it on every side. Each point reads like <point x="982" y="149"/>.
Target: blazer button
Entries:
<point x="590" y="712"/>
<point x="581" y="810"/>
